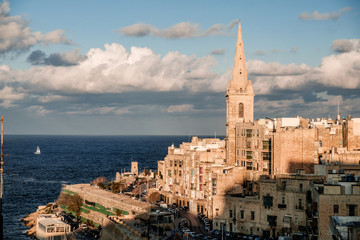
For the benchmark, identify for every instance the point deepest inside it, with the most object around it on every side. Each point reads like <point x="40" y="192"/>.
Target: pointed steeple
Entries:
<point x="239" y="77"/>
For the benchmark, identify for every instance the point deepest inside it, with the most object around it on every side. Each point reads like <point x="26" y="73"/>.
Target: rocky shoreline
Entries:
<point x="30" y="220"/>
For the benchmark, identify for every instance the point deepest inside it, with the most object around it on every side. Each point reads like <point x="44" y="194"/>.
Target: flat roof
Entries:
<point x="50" y="221"/>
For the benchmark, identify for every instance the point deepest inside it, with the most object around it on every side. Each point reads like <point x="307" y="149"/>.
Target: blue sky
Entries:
<point x="162" y="67"/>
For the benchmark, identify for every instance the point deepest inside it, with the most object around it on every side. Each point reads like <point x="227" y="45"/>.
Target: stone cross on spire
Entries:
<point x="239" y="76"/>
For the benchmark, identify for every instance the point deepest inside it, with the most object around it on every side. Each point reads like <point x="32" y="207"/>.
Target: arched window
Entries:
<point x="241" y="110"/>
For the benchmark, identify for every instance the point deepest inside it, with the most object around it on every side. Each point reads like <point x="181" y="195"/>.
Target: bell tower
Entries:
<point x="239" y="99"/>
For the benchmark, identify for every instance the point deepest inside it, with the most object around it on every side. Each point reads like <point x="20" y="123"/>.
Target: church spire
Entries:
<point x="239" y="77"/>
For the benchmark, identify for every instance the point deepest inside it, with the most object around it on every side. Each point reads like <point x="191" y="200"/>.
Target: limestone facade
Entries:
<point x="239" y="99"/>
<point x="260" y="179"/>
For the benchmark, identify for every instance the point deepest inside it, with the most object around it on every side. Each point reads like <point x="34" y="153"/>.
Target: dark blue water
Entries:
<point x="31" y="180"/>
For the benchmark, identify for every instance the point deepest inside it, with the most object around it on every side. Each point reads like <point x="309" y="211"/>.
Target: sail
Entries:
<point x="37" y="150"/>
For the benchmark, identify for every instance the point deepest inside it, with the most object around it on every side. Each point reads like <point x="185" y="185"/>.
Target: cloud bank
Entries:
<point x="116" y="81"/>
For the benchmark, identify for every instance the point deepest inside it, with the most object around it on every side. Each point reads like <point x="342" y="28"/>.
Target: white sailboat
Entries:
<point x="37" y="150"/>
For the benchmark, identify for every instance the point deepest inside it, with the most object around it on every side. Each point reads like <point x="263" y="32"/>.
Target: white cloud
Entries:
<point x="51" y="98"/>
<point x="260" y="53"/>
<point x="324" y="16"/>
<point x="218" y="51"/>
<point x="180" y="108"/>
<point x="179" y="30"/>
<point x="100" y="111"/>
<point x="115" y="70"/>
<point x="39" y="110"/>
<point x="16" y="35"/>
<point x="341" y="71"/>
<point x="8" y="96"/>
<point x="346" y="45"/>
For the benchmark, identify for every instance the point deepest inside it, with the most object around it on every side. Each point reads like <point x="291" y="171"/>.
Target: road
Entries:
<point x="195" y="223"/>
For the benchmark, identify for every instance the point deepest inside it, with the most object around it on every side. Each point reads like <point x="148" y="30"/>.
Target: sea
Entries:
<point x="31" y="180"/>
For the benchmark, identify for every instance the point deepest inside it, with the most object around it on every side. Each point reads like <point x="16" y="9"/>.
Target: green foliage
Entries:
<point x="75" y="204"/>
<point x="72" y="203"/>
<point x="69" y="192"/>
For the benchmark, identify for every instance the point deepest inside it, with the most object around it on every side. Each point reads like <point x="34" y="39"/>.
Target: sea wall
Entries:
<point x="114" y="230"/>
<point x="99" y="204"/>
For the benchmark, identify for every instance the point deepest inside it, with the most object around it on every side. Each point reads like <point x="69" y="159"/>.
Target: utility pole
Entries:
<point x="1" y="173"/>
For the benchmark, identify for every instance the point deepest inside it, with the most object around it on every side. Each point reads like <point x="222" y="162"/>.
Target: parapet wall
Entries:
<point x="114" y="230"/>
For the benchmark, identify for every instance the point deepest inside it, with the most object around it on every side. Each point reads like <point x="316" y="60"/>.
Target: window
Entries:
<point x="192" y="186"/>
<point x="249" y="165"/>
<point x="241" y="110"/>
<point x="179" y="173"/>
<point x="301" y="187"/>
<point x="242" y="214"/>
<point x="249" y="133"/>
<point x="336" y="208"/>
<point x="214" y="182"/>
<point x="283" y="200"/>
<point x="266" y="144"/>
<point x="230" y="213"/>
<point x="300" y="204"/>
<point x="352" y="209"/>
<point x="192" y="172"/>
<point x="268" y="201"/>
<point x="214" y="191"/>
<point x="175" y="163"/>
<point x="249" y="154"/>
<point x="169" y="172"/>
<point x="252" y="215"/>
<point x="248" y="144"/>
<point x="320" y="143"/>
<point x="266" y="156"/>
<point x="171" y="163"/>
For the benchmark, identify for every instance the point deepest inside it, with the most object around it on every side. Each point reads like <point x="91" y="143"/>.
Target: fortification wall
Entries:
<point x="114" y="230"/>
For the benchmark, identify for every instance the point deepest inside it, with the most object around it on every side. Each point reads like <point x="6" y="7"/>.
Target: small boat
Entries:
<point x="37" y="150"/>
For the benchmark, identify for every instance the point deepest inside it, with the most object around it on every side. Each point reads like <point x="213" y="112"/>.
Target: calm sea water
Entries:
<point x="31" y="180"/>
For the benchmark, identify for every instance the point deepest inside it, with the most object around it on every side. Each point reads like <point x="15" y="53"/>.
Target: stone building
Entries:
<point x="250" y="182"/>
<point x="338" y="196"/>
<point x="239" y="99"/>
<point x="186" y="173"/>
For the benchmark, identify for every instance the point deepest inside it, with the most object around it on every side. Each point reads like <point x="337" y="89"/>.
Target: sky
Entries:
<point x="91" y="67"/>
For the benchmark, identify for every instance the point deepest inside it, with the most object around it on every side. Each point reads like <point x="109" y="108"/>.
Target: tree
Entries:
<point x="118" y="212"/>
<point x="117" y="187"/>
<point x="75" y="204"/>
<point x="154" y="196"/>
<point x="101" y="185"/>
<point x="72" y="202"/>
<point x="98" y="180"/>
